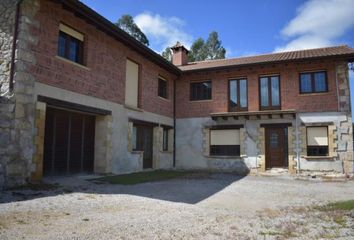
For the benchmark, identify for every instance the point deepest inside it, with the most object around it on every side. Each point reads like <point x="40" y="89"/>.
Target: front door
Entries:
<point x="275" y="147"/>
<point x="144" y="143"/>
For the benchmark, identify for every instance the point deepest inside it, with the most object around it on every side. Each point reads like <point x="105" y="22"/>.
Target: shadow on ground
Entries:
<point x="189" y="189"/>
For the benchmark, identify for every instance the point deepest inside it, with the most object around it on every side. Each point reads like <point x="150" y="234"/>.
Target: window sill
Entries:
<point x="166" y="151"/>
<point x="314" y="158"/>
<point x="225" y="157"/>
<point x="165" y="99"/>
<point x="313" y="94"/>
<point x="137" y="152"/>
<point x="71" y="62"/>
<point x="196" y="101"/>
<point x="133" y="108"/>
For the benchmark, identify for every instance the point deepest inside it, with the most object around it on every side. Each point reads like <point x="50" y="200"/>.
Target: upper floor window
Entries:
<point x="269" y="91"/>
<point x="317" y="141"/>
<point x="313" y="82"/>
<point x="225" y="142"/>
<point x="70" y="44"/>
<point x="237" y="95"/>
<point x="131" y="83"/>
<point x="200" y="90"/>
<point x="162" y="87"/>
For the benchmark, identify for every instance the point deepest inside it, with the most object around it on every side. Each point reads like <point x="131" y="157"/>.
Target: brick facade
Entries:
<point x="103" y="74"/>
<point x="289" y="85"/>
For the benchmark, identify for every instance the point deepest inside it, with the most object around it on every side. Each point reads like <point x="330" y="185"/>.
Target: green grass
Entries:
<point x="141" y="177"/>
<point x="342" y="205"/>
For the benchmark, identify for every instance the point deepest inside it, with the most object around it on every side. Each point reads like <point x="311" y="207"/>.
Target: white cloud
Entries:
<point x="162" y="31"/>
<point x="318" y="23"/>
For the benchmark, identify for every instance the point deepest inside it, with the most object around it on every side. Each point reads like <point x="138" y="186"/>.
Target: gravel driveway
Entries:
<point x="207" y="206"/>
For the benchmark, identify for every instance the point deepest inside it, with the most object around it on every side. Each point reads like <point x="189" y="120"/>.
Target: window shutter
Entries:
<point x="317" y="136"/>
<point x="131" y="84"/>
<point x="71" y="32"/>
<point x="225" y="137"/>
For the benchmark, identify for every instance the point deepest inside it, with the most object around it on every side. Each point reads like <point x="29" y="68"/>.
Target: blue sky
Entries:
<point x="245" y="27"/>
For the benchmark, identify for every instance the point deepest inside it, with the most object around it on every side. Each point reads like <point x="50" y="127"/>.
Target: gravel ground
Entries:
<point x="207" y="206"/>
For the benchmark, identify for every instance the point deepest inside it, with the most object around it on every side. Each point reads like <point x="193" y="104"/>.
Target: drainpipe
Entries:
<point x="297" y="143"/>
<point x="174" y="122"/>
<point x="13" y="53"/>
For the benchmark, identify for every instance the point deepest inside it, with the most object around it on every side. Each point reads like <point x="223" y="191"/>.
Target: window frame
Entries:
<point x="212" y="147"/>
<point x="68" y="39"/>
<point x="313" y="84"/>
<point x="193" y="98"/>
<point x="238" y="108"/>
<point x="165" y="92"/>
<point x="270" y="105"/>
<point x="165" y="137"/>
<point x="315" y="146"/>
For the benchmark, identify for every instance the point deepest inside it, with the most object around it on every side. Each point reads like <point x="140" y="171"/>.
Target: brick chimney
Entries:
<point x="179" y="54"/>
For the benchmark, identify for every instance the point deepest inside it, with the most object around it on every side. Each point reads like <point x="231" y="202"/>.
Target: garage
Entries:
<point x="69" y="142"/>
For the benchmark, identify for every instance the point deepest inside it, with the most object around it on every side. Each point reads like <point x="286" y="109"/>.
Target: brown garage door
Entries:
<point x="69" y="142"/>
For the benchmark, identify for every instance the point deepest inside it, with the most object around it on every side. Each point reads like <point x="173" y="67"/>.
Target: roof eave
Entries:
<point x="105" y="25"/>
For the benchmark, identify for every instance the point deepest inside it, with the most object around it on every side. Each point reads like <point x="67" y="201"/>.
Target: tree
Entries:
<point x="126" y="23"/>
<point x="207" y="50"/>
<point x="197" y="51"/>
<point x="213" y="47"/>
<point x="167" y="54"/>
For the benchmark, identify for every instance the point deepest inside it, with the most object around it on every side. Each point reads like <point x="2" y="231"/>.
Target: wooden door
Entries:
<point x="69" y="142"/>
<point x="144" y="142"/>
<point x="275" y="144"/>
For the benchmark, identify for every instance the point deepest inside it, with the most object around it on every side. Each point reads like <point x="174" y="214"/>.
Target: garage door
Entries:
<point x="69" y="142"/>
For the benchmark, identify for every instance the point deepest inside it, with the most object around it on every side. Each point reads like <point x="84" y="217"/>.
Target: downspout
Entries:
<point x="174" y="122"/>
<point x="13" y="53"/>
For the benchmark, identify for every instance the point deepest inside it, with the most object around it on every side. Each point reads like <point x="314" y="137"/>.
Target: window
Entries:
<point x="317" y="141"/>
<point x="200" y="90"/>
<point x="313" y="82"/>
<point x="162" y="88"/>
<point x="70" y="44"/>
<point x="131" y="84"/>
<point x="237" y="95"/>
<point x="225" y="142"/>
<point x="165" y="139"/>
<point x="269" y="92"/>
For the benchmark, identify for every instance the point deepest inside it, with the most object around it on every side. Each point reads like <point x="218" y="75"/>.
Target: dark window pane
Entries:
<point x="165" y="139"/>
<point x="243" y="93"/>
<point x="317" y="150"/>
<point x="275" y="91"/>
<point x="200" y="90"/>
<point x="233" y="93"/>
<point x="61" y="44"/>
<point x="225" y="150"/>
<point x="264" y="92"/>
<point x="162" y="88"/>
<point x="320" y="82"/>
<point x="306" y="85"/>
<point x="74" y="50"/>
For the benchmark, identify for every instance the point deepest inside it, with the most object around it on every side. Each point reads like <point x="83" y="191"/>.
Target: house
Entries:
<point x="80" y="95"/>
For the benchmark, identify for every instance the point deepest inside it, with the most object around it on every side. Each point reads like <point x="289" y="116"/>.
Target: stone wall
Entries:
<point x="17" y="107"/>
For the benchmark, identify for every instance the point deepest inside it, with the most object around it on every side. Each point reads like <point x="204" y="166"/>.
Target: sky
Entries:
<point x="245" y="27"/>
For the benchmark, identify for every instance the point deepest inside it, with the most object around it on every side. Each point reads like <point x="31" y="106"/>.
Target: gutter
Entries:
<point x="13" y="52"/>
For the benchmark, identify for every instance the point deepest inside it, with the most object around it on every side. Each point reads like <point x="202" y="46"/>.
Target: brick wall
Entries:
<point x="104" y="73"/>
<point x="289" y="84"/>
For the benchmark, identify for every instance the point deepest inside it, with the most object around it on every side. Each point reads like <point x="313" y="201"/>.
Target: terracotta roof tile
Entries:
<point x="336" y="51"/>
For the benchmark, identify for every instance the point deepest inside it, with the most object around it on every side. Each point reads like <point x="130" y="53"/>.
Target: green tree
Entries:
<point x="207" y="50"/>
<point x="197" y="51"/>
<point x="126" y="23"/>
<point x="213" y="47"/>
<point x="167" y="54"/>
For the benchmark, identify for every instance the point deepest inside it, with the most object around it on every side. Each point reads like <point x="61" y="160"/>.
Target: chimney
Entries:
<point x="179" y="54"/>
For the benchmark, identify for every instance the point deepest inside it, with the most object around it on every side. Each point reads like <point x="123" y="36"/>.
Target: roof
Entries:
<point x="111" y="29"/>
<point x="342" y="51"/>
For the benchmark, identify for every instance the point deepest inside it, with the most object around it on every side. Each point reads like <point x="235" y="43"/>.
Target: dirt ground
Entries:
<point x="204" y="206"/>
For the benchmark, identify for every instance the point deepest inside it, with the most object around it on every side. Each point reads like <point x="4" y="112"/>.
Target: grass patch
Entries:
<point x="141" y="177"/>
<point x="342" y="205"/>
